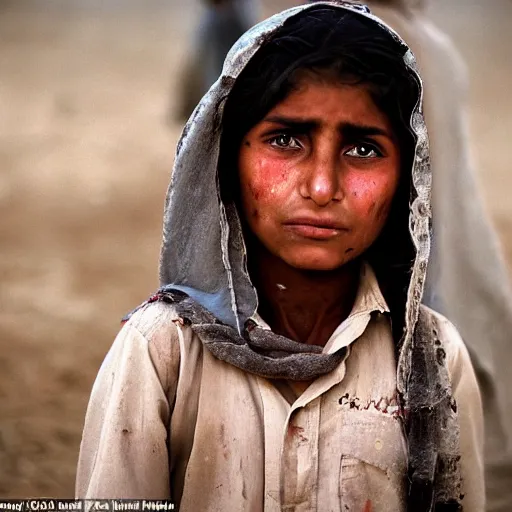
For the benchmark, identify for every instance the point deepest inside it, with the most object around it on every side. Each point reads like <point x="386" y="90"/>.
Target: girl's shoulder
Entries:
<point x="153" y="319"/>
<point x="156" y="333"/>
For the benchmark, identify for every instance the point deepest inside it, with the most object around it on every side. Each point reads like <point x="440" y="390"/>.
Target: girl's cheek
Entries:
<point x="267" y="178"/>
<point x="371" y="193"/>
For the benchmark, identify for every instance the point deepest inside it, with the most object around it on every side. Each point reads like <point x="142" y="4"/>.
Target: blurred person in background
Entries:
<point x="467" y="279"/>
<point x="222" y="22"/>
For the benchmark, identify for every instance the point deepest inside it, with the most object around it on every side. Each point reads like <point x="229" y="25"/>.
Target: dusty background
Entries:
<point x="85" y="155"/>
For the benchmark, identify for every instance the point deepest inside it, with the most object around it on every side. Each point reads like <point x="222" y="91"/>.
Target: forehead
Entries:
<point x="331" y="102"/>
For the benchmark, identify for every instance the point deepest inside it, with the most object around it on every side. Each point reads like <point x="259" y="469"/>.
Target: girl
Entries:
<point x="286" y="362"/>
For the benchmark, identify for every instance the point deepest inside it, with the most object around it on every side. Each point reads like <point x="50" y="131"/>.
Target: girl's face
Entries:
<point x="318" y="175"/>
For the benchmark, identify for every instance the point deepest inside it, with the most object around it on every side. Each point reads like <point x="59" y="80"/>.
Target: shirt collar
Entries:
<point x="368" y="299"/>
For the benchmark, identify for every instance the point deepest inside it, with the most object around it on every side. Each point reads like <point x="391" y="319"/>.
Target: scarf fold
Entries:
<point x="258" y="351"/>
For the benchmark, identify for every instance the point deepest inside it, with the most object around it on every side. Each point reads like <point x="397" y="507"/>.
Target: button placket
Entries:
<point x="299" y="467"/>
<point x="274" y="407"/>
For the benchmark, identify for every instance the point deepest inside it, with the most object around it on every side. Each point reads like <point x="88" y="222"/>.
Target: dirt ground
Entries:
<point x="85" y="155"/>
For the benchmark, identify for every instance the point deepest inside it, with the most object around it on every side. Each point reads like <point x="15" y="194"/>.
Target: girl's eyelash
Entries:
<point x="286" y="133"/>
<point x="371" y="144"/>
<point x="293" y="142"/>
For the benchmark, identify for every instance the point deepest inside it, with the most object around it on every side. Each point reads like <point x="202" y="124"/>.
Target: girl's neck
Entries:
<point x="305" y="306"/>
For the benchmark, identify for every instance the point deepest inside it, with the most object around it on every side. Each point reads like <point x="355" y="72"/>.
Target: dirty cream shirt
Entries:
<point x="168" y="420"/>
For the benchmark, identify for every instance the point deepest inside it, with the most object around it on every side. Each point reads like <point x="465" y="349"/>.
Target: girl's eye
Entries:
<point x="285" y="141"/>
<point x="364" y="151"/>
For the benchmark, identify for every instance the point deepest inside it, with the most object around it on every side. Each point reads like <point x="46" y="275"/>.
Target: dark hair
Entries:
<point x="324" y="40"/>
<point x="344" y="46"/>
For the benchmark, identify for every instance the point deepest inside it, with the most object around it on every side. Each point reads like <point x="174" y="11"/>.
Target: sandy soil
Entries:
<point x="85" y="155"/>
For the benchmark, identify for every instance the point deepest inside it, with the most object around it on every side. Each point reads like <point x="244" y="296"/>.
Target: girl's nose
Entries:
<point x="321" y="182"/>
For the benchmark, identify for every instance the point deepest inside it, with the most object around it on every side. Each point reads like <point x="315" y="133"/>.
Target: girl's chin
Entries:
<point x="317" y="262"/>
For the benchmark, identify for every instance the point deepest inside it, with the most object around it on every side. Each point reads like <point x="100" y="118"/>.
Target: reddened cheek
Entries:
<point x="255" y="191"/>
<point x="370" y="192"/>
<point x="265" y="177"/>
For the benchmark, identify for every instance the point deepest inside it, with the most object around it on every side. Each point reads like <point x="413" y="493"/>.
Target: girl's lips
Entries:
<point x="316" y="228"/>
<point x="314" y="232"/>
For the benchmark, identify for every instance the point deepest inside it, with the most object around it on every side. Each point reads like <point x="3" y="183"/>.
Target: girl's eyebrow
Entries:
<point x="295" y="124"/>
<point x="351" y="131"/>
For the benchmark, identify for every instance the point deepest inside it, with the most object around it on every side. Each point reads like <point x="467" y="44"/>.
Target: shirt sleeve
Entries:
<point x="470" y="414"/>
<point x="124" y="449"/>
